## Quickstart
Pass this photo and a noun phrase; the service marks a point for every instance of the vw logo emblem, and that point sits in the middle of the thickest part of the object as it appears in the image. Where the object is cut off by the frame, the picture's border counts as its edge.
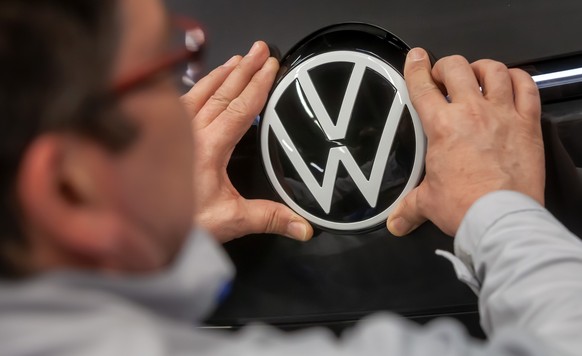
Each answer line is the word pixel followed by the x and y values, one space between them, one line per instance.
pixel 340 141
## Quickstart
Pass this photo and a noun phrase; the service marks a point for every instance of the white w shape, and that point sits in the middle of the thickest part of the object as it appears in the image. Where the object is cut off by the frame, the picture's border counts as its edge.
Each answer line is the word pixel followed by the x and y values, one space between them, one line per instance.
pixel 370 188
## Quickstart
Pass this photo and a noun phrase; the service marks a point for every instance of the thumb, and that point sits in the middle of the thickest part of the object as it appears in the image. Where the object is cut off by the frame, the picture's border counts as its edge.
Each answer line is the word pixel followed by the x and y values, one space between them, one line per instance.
pixel 265 216
pixel 407 215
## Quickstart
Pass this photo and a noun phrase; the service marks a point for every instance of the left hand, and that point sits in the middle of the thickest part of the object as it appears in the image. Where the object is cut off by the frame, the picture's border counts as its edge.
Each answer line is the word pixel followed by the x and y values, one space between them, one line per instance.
pixel 223 106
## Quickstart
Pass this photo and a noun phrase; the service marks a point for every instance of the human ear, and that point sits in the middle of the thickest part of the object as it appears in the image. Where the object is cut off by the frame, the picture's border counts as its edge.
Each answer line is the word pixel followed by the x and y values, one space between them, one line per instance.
pixel 67 194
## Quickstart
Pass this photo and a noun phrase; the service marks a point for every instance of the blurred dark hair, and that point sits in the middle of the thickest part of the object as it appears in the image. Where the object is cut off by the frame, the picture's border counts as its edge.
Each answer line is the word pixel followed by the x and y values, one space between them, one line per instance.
pixel 56 59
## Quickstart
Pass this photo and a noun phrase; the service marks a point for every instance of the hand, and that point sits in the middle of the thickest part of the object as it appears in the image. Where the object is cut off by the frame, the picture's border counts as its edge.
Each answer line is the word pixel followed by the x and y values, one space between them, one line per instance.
pixel 478 143
pixel 223 106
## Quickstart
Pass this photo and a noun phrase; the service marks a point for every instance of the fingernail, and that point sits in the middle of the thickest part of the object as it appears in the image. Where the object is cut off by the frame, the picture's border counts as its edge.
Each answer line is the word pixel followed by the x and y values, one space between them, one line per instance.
pixel 416 54
pixel 399 227
pixel 254 49
pixel 297 230
pixel 231 62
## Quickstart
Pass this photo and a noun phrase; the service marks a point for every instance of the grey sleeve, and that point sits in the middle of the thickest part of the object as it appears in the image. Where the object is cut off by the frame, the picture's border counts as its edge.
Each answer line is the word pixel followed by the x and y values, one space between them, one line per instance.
pixel 529 269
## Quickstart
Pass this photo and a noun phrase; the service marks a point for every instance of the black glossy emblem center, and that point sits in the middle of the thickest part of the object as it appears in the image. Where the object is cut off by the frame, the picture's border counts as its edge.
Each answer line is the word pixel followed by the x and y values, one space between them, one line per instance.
pixel 340 141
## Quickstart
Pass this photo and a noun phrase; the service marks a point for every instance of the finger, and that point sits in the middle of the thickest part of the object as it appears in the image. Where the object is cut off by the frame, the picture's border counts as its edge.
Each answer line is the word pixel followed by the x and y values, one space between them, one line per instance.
pixel 495 81
pixel 407 216
pixel 242 111
pixel 457 76
pixel 233 86
pixel 526 94
pixel 265 216
pixel 200 93
pixel 423 92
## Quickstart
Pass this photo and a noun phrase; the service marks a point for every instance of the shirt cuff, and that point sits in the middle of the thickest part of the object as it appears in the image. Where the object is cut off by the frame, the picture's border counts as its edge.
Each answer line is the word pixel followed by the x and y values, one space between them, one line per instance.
pixel 478 220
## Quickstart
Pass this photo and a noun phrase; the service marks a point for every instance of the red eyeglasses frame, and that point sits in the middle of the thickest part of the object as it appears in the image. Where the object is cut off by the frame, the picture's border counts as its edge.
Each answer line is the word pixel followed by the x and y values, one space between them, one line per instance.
pixel 192 52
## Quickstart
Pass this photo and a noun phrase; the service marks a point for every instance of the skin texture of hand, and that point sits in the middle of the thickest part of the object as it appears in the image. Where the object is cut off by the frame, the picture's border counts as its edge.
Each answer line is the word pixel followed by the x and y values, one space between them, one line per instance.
pixel 223 106
pixel 478 141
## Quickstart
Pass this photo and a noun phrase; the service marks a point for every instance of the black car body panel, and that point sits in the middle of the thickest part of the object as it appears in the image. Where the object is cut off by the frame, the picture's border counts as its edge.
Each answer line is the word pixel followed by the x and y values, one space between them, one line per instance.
pixel 336 279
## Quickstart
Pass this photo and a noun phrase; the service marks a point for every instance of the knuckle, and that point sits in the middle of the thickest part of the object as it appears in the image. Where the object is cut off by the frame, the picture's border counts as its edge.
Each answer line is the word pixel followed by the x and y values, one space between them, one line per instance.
pixel 525 81
pixel 480 62
pixel 454 60
pixel 447 65
pixel 421 90
pixel 495 67
pixel 529 88
pixel 220 100
pixel 442 127
pixel 521 73
pixel 238 107
pixel 404 205
pixel 473 113
pixel 487 63
pixel 414 67
pixel 272 218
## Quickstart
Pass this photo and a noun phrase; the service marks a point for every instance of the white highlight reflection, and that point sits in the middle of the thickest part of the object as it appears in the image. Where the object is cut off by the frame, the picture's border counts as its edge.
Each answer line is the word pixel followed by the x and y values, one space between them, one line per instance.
pixel 316 167
pixel 303 102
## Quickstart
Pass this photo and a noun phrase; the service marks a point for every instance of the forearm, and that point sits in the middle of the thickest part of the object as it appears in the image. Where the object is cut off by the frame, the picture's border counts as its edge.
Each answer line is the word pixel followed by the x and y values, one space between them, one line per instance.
pixel 530 267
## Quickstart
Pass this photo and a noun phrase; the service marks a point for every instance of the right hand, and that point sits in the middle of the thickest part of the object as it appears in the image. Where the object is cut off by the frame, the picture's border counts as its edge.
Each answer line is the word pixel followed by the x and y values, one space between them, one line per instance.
pixel 479 142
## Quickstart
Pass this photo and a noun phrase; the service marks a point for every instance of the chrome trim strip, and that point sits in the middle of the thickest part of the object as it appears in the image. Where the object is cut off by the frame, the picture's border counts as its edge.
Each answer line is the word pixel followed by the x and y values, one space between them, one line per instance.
pixel 555 79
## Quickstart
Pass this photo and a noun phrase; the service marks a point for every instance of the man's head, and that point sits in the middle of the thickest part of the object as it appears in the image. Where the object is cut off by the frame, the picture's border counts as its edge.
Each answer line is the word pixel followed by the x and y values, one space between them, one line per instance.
pixel 89 179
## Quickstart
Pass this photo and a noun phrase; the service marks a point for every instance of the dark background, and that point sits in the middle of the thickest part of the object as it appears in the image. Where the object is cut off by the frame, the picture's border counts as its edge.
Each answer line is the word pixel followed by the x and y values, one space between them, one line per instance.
pixel 506 30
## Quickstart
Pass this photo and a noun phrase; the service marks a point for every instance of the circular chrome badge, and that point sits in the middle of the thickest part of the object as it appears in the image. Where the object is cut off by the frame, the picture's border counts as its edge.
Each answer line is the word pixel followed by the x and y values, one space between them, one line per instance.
pixel 340 141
